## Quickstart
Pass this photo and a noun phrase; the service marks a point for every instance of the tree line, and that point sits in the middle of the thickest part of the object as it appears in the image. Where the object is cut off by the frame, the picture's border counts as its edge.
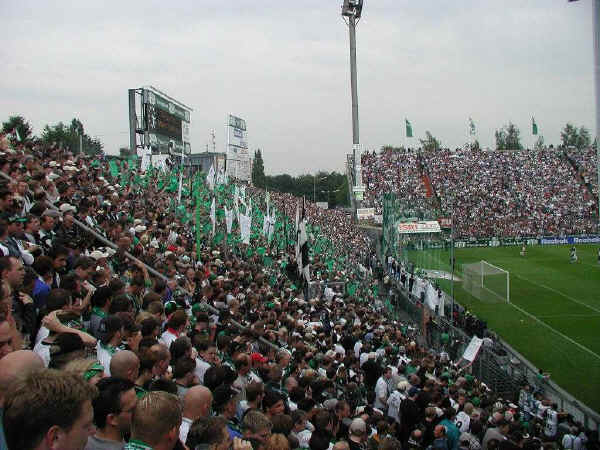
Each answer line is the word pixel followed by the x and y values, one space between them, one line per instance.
pixel 330 187
pixel 71 137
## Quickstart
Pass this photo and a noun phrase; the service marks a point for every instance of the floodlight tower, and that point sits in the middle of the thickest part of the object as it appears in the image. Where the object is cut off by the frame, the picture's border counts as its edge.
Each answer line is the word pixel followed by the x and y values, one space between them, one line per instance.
pixel 352 10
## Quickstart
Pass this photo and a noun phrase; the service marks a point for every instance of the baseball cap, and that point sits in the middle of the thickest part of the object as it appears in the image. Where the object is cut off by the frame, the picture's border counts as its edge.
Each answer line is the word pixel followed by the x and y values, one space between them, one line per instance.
pixel 94 370
pixel 257 357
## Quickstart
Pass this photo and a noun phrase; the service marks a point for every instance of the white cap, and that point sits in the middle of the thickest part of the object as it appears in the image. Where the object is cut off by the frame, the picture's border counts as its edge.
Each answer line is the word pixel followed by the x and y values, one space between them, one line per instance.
pixel 67 207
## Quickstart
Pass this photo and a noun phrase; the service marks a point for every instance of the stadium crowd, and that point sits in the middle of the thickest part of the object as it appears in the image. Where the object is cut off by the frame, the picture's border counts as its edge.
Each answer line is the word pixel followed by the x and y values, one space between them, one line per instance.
pixel 98 352
pixel 491 193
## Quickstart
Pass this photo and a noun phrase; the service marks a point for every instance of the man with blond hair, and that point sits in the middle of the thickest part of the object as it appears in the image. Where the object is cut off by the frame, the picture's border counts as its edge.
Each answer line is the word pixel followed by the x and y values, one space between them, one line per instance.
pixel 48 409
pixel 155 422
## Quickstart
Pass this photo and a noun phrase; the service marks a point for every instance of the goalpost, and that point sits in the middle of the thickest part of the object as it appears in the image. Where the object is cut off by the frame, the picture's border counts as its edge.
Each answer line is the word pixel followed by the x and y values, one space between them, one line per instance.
pixel 486 282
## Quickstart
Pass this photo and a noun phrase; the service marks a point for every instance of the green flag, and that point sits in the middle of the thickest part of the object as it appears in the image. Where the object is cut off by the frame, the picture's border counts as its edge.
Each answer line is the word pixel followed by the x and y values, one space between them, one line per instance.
pixel 114 168
pixel 534 129
pixel 409 133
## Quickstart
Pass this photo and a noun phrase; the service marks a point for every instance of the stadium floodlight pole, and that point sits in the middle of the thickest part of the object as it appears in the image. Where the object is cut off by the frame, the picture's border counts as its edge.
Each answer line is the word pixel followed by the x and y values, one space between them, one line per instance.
pixel 595 14
pixel 452 264
pixel 352 9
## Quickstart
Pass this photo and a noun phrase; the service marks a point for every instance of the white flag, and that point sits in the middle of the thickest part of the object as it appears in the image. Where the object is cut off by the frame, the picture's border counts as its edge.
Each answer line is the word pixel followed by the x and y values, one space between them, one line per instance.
pixel 213 217
pixel 228 219
pixel 210 178
pixel 245 225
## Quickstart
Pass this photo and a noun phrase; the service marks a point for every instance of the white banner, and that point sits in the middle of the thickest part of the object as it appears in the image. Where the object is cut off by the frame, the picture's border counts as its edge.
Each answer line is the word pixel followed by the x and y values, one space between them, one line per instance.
pixel 428 226
pixel 245 225
pixel 365 213
pixel 228 219
pixel 239 162
pixel 472 349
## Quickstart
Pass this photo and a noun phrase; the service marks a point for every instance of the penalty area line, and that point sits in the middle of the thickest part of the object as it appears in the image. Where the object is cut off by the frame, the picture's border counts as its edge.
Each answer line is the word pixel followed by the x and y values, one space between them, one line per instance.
pixel 562 294
pixel 567 338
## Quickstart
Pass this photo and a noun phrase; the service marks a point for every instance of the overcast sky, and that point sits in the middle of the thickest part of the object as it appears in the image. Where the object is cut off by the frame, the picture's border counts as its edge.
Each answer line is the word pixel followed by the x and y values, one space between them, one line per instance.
pixel 284 67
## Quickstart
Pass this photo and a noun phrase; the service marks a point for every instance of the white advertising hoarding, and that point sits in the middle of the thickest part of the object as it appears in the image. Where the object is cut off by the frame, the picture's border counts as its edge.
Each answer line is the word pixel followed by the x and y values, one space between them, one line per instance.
pixel 239 164
pixel 428 226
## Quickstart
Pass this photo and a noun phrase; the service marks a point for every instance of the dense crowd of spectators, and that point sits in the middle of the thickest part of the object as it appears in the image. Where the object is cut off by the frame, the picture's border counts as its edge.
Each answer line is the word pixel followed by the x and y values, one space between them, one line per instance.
pixel 225 351
pixel 492 193
pixel 398 172
pixel 586 164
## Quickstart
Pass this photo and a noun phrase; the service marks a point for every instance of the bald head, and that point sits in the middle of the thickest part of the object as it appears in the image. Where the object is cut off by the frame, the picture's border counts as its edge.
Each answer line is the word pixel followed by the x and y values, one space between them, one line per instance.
pixel 197 402
pixel 341 445
pixel 16 364
pixel 125 365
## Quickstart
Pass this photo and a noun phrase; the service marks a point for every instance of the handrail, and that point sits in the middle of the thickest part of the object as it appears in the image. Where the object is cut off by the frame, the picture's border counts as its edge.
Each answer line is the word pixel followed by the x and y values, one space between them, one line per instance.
pixel 150 269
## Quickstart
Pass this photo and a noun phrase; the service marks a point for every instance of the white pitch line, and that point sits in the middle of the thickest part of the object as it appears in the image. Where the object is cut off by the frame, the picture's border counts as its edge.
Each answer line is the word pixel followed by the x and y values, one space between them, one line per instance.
pixel 558 316
pixel 541 322
pixel 574 300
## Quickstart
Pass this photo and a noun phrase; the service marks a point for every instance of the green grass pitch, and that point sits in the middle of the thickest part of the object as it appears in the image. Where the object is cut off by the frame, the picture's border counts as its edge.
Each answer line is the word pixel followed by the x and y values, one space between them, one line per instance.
pixel 564 296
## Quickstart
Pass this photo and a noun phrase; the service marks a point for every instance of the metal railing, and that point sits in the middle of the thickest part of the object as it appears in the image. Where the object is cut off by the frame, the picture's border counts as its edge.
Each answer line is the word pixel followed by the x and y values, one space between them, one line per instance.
pixel 499 366
pixel 129 256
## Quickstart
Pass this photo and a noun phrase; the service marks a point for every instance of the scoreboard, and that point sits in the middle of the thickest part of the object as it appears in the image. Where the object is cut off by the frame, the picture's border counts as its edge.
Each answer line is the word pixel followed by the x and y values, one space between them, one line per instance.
pixel 165 122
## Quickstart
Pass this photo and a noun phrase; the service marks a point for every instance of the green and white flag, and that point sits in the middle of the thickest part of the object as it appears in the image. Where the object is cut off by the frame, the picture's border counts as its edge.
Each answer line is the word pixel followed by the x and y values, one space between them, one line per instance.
pixel 471 127
pixel 409 132
pixel 213 216
pixel 534 128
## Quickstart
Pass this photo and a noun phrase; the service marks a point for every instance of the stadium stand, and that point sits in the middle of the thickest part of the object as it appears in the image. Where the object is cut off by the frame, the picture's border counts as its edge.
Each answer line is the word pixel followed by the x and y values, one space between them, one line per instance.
pixel 104 274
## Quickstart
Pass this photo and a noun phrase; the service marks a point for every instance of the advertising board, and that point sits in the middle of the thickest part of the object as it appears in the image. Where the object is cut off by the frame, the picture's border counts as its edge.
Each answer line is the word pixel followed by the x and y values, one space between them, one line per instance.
pixel 239 164
pixel 426 226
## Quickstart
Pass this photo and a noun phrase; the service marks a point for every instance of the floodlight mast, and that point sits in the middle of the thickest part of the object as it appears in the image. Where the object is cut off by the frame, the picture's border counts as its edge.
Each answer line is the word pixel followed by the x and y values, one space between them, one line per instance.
pixel 352 9
pixel 596 27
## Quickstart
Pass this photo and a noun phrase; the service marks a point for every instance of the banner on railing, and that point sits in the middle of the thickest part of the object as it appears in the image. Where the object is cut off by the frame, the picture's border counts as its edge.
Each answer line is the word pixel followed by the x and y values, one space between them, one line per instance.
pixel 472 349
pixel 365 213
pixel 426 226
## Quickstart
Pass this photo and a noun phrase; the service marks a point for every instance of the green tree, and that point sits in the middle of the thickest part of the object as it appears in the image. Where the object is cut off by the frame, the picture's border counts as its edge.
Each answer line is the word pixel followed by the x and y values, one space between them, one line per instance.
pixel 258 170
pixel 474 146
pixel 67 137
pixel 573 137
pixel 429 143
pixel 19 124
pixel 508 138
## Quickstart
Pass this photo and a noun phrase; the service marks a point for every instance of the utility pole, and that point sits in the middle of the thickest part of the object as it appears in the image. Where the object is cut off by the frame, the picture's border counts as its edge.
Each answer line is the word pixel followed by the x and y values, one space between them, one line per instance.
pixel 352 9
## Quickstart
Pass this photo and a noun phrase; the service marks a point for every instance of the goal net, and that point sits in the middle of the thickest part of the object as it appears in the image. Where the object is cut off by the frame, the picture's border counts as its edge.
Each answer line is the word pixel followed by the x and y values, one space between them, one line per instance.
pixel 486 282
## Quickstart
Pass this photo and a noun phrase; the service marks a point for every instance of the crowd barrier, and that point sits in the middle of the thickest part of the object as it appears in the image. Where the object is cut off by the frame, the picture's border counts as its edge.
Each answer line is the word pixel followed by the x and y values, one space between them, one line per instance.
pixel 499 366
pixel 150 269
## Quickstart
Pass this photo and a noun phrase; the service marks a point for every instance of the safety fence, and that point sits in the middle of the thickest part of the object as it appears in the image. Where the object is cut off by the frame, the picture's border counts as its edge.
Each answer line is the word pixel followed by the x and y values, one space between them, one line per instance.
pixel 498 365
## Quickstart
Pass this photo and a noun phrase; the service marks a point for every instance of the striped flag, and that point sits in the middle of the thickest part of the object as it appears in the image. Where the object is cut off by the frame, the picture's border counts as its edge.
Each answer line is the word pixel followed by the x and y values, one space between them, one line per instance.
pixel 213 215
pixel 302 248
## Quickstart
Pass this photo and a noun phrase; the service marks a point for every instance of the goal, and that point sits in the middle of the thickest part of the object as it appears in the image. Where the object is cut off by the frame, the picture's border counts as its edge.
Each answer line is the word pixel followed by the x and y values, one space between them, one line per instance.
pixel 486 282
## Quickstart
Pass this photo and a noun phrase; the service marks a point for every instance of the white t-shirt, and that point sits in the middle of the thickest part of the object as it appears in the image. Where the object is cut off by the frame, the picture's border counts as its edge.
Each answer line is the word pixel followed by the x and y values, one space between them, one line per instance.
pixel 381 393
pixel 201 368
pixel 551 423
pixel 167 338
pixel 104 354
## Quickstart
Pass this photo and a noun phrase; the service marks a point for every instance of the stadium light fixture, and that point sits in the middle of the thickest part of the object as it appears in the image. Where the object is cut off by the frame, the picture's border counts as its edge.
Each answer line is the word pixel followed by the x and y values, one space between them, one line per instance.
pixel 352 10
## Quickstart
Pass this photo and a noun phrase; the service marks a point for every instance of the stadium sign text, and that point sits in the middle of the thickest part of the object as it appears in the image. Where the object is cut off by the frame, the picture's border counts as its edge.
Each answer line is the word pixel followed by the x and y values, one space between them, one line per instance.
pixel 428 226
